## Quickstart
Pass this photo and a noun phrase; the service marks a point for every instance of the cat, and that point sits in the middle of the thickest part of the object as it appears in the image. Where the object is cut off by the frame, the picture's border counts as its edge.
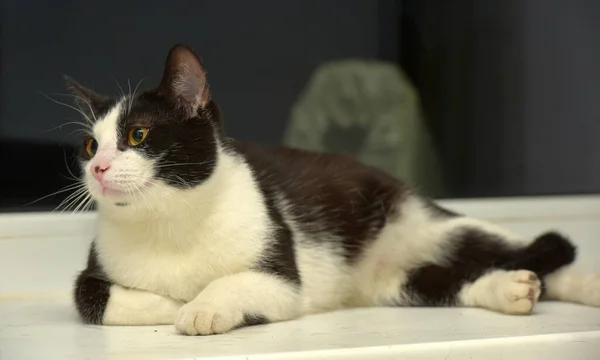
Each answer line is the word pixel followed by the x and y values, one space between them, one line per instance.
pixel 211 234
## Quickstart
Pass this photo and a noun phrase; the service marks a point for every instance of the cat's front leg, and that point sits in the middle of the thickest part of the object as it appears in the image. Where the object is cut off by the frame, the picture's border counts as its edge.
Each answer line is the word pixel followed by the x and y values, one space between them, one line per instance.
pixel 101 302
pixel 244 299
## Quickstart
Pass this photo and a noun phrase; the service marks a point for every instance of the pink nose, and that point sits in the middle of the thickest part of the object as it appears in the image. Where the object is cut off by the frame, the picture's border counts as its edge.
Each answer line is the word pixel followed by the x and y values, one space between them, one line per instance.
pixel 99 170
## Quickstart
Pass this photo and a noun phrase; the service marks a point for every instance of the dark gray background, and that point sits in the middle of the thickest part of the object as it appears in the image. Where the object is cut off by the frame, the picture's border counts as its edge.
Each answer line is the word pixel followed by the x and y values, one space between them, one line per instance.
pixel 510 87
pixel 515 111
pixel 546 64
pixel 259 54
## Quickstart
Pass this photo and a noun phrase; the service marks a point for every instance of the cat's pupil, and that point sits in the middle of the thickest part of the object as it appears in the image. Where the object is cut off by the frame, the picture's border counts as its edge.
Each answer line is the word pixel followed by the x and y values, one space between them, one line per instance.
pixel 94 146
pixel 138 135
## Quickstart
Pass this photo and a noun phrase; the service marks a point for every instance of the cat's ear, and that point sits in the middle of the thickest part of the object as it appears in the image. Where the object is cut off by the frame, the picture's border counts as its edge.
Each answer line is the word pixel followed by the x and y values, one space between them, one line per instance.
pixel 87 100
pixel 184 81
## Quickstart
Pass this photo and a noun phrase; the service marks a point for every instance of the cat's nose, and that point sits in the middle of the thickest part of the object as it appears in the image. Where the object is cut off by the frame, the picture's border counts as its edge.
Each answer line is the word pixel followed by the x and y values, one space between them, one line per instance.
pixel 99 170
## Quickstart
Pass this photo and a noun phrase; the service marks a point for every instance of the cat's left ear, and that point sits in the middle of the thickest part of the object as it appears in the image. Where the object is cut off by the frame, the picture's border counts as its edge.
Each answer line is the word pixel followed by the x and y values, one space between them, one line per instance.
pixel 184 81
pixel 87 100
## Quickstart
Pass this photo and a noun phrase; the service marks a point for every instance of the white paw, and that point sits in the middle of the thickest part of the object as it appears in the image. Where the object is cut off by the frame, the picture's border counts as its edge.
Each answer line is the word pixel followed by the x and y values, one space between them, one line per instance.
pixel 517 292
pixel 200 318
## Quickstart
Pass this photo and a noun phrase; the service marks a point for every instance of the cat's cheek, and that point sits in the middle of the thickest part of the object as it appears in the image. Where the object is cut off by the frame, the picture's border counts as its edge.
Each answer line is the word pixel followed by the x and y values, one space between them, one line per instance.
pixel 94 189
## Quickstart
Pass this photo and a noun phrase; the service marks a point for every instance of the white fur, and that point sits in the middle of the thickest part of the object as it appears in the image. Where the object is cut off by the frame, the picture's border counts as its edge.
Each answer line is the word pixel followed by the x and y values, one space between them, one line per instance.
pixel 509 292
pixel 169 246
pixel 573 285
pixel 138 307
pixel 222 305
pixel 197 246
pixel 128 170
pixel 412 239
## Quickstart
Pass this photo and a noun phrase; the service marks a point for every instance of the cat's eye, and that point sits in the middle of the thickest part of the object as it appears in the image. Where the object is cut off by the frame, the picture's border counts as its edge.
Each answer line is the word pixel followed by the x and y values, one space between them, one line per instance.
pixel 137 135
pixel 91 146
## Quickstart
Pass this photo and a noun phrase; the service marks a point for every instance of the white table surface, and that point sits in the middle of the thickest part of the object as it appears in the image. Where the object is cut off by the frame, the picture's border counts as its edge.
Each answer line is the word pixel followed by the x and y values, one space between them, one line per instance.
pixel 46 329
pixel 37 320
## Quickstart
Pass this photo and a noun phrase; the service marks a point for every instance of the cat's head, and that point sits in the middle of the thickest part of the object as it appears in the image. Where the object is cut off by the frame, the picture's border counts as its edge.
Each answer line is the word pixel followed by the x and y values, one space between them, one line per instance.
pixel 144 147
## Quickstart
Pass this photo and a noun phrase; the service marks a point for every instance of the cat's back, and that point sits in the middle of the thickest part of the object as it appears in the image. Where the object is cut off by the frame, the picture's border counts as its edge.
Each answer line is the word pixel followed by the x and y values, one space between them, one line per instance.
pixel 328 192
pixel 296 170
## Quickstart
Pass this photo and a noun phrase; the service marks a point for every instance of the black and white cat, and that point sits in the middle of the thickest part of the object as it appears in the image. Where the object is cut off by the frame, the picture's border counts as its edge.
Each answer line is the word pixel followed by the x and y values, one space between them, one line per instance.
pixel 211 234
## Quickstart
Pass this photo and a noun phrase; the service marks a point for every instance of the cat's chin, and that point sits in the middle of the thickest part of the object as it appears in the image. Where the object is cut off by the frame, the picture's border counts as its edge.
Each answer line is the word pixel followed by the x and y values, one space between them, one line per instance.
pixel 109 195
pixel 113 193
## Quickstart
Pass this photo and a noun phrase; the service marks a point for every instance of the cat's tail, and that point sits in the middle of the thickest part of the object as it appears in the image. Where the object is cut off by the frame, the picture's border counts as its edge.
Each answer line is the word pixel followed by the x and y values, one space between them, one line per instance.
pixel 551 256
pixel 546 254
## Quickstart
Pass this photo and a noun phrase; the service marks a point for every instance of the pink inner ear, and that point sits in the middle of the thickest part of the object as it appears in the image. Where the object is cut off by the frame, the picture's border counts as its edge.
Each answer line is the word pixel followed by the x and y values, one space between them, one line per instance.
pixel 191 89
pixel 191 86
pixel 185 79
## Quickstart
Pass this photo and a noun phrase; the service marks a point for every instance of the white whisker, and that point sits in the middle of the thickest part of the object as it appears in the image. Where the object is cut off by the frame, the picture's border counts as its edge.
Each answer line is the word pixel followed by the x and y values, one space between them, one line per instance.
pixel 69 198
pixel 76 200
pixel 185 164
pixel 119 85
pixel 69 106
pixel 86 126
pixel 67 166
pixel 133 96
pixel 82 202
pixel 65 189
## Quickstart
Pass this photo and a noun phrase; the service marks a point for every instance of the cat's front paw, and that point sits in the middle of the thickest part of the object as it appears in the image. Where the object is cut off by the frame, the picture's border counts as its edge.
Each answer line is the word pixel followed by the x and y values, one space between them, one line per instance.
pixel 201 318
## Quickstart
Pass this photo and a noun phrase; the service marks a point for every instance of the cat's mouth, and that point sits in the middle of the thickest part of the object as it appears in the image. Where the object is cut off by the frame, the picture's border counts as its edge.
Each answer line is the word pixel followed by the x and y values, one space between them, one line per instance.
pixel 107 191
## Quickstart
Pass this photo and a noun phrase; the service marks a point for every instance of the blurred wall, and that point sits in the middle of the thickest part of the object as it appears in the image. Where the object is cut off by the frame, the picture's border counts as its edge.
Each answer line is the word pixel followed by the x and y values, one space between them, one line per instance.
pixel 540 59
pixel 510 85
pixel 562 96
pixel 259 54
pixel 510 88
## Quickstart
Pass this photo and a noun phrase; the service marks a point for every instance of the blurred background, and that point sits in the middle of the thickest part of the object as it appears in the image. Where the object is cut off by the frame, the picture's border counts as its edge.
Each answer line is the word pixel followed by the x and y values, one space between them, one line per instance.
pixel 463 98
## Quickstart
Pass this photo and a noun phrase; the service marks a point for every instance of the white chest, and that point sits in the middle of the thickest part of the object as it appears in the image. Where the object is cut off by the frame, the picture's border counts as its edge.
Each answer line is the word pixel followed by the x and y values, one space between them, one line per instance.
pixel 178 264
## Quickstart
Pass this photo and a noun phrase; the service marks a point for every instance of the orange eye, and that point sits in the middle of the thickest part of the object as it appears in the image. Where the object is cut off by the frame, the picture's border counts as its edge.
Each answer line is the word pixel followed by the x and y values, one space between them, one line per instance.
pixel 137 135
pixel 91 146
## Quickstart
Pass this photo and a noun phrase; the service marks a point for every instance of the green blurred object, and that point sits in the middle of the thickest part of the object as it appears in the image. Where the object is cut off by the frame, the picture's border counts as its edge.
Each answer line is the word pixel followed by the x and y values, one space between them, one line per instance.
pixel 368 110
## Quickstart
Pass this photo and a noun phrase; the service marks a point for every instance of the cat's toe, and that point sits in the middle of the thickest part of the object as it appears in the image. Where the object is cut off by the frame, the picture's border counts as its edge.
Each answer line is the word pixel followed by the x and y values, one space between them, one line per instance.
pixel 197 318
pixel 520 290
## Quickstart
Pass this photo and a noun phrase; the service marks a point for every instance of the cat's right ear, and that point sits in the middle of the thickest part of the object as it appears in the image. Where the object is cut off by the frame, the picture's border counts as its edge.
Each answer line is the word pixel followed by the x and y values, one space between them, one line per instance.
pixel 184 81
pixel 87 100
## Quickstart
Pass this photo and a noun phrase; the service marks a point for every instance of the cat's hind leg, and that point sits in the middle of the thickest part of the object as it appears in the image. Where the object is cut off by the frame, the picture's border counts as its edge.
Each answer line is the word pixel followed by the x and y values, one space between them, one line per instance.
pixel 485 269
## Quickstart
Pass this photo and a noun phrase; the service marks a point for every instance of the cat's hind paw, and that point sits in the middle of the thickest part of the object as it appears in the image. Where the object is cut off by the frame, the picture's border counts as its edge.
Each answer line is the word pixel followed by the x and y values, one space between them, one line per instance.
pixel 518 291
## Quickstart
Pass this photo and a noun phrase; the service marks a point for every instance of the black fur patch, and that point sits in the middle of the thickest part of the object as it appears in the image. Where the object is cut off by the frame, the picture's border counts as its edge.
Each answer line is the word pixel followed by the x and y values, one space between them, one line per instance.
pixel 92 291
pixel 186 149
pixel 280 259
pixel 253 320
pixel 328 194
pixel 475 253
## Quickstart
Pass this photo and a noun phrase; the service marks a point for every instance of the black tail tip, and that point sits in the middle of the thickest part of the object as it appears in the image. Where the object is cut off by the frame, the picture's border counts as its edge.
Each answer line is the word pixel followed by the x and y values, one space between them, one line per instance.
pixel 549 252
